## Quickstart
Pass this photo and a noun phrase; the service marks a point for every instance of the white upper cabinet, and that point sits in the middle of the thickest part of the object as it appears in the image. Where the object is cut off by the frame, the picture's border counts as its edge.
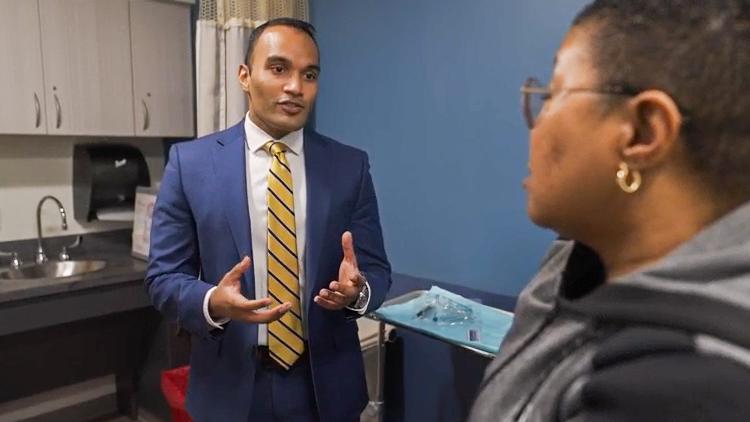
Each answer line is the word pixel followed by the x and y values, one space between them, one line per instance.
pixel 87 74
pixel 96 68
pixel 21 81
pixel 162 69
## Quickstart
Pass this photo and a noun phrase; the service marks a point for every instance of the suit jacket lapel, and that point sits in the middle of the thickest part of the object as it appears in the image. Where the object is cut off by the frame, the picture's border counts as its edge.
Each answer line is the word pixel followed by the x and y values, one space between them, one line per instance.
pixel 318 204
pixel 231 173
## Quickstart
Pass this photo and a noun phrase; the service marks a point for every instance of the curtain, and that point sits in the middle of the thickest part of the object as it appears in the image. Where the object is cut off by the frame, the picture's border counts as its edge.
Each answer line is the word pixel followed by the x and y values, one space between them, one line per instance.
pixel 222 32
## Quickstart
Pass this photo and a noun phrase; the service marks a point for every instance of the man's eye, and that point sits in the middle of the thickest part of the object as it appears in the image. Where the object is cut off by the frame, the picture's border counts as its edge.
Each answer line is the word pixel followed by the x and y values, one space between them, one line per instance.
pixel 277 69
pixel 311 76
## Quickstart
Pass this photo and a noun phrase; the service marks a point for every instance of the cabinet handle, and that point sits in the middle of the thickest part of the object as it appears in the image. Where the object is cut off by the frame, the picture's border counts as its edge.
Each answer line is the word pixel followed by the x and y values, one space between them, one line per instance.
pixel 145 115
pixel 38 108
pixel 59 112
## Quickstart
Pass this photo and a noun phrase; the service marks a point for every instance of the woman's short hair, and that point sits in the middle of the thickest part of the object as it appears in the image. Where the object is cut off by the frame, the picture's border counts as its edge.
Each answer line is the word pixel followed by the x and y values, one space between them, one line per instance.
pixel 697 51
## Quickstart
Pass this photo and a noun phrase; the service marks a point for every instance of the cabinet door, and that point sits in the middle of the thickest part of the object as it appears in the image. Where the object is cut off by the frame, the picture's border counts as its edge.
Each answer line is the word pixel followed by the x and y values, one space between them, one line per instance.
pixel 87 73
pixel 21 80
pixel 162 69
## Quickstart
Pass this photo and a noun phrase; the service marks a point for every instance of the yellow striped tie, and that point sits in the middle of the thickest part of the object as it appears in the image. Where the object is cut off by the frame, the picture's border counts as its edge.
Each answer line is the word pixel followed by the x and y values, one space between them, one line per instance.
pixel 285 339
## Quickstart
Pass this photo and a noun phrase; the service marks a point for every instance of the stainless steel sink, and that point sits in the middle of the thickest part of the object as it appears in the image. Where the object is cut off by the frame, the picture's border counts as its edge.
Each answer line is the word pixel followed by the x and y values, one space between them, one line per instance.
pixel 52 269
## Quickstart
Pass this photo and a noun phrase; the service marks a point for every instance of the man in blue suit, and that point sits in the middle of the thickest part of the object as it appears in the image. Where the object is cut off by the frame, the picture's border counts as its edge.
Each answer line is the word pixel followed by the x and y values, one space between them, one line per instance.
pixel 266 246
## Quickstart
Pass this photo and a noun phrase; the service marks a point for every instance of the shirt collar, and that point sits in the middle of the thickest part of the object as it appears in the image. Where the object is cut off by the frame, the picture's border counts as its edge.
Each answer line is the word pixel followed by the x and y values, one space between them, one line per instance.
pixel 256 137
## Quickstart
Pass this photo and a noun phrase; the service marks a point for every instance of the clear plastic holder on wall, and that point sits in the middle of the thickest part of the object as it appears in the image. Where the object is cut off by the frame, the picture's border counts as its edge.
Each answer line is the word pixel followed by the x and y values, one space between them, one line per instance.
pixel 145 198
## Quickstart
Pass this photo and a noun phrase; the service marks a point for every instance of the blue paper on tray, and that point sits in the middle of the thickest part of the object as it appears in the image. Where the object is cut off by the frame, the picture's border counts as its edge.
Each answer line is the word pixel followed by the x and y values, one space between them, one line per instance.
pixel 452 318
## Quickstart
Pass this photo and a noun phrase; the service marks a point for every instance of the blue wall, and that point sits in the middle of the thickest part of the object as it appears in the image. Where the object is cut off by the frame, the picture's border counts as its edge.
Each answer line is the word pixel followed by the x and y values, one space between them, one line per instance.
pixel 430 88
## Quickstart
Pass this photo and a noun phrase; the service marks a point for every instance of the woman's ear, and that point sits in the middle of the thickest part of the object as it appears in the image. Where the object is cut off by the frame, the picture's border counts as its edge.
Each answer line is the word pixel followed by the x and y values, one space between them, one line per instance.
pixel 655 122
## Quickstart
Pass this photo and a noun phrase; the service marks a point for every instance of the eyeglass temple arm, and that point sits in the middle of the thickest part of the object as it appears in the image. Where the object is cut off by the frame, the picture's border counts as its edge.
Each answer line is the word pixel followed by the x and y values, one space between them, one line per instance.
pixel 534 90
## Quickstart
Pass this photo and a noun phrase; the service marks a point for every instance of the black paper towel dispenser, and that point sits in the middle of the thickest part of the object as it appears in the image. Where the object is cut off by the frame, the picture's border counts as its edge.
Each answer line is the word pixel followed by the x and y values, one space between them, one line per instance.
pixel 105 177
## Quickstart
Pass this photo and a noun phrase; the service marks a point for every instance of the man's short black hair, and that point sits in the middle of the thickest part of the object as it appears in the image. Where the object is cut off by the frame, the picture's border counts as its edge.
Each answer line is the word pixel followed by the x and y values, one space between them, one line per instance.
pixel 697 51
pixel 303 26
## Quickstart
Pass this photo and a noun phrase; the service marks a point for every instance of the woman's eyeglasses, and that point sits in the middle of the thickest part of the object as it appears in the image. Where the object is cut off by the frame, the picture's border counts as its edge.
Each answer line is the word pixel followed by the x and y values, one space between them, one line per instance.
pixel 534 95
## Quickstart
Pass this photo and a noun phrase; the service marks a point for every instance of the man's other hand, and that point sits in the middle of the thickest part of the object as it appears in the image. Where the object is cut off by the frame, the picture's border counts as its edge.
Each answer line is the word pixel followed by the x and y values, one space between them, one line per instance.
pixel 344 291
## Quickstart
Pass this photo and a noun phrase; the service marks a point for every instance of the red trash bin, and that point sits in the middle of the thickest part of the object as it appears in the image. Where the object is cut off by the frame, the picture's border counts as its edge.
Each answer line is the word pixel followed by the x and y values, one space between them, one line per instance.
pixel 174 386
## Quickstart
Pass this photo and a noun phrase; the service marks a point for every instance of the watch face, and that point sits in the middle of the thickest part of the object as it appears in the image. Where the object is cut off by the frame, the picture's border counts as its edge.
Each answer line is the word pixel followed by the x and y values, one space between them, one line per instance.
pixel 363 295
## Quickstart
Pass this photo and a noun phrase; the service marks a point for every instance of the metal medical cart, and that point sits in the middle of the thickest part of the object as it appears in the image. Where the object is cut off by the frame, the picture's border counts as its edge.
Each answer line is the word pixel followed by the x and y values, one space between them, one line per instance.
pixel 376 407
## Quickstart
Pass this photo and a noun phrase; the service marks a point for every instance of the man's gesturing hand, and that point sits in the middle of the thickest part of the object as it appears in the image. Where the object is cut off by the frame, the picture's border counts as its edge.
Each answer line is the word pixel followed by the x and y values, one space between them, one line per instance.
pixel 342 292
pixel 228 302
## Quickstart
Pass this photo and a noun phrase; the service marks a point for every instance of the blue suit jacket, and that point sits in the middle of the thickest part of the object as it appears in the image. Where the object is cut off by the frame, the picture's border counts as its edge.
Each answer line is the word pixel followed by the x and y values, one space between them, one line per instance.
pixel 201 228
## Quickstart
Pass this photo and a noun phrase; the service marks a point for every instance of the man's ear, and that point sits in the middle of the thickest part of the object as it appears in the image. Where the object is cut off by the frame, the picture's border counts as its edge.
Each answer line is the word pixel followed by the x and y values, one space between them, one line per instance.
pixel 243 75
pixel 654 121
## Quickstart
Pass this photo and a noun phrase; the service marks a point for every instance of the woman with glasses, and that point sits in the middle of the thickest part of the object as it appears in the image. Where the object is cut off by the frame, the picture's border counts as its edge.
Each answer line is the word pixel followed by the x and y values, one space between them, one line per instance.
pixel 640 155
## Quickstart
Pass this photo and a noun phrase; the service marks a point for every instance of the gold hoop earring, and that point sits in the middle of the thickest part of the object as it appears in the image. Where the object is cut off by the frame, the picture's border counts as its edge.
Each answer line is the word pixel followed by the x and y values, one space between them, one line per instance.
pixel 622 178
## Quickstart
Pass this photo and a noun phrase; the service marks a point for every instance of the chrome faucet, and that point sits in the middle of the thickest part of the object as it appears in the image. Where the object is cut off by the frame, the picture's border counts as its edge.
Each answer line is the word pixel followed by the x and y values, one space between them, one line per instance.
pixel 40 256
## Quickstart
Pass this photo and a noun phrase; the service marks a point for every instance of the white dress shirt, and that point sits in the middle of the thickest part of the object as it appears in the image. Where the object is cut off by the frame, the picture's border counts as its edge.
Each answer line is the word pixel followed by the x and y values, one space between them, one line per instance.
pixel 258 164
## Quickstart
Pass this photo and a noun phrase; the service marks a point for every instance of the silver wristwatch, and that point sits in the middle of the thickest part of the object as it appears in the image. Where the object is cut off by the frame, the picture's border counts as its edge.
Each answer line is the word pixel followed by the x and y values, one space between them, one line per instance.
pixel 364 295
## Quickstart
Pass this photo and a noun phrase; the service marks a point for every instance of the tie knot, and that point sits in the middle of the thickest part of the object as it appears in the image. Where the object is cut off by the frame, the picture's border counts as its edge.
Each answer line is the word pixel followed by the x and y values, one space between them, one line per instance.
pixel 275 147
